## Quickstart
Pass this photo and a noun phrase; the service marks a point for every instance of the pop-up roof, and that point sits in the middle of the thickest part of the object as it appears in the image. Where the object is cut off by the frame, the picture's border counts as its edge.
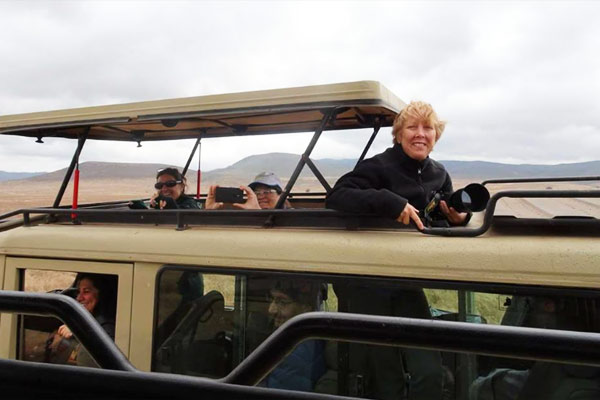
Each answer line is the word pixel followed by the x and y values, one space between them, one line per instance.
pixel 298 109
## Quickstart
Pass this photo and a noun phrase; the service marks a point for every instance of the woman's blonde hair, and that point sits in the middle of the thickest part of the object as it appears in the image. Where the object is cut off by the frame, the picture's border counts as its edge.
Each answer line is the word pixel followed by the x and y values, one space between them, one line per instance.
pixel 421 111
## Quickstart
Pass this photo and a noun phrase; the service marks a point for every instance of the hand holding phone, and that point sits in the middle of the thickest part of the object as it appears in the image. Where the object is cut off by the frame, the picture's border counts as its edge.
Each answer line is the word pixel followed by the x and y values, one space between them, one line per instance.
pixel 229 195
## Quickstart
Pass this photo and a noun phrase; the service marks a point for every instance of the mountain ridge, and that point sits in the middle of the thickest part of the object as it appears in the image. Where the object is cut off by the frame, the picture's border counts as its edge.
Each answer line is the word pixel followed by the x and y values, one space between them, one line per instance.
pixel 283 164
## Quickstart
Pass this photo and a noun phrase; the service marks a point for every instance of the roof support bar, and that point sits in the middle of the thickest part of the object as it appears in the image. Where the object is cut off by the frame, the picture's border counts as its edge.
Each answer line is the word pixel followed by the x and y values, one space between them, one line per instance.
pixel 318 174
pixel 80 142
pixel 329 114
pixel 376 128
pixel 189 161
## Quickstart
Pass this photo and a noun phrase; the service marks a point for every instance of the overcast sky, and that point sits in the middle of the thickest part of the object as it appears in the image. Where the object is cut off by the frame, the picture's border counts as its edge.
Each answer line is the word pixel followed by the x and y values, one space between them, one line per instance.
pixel 518 82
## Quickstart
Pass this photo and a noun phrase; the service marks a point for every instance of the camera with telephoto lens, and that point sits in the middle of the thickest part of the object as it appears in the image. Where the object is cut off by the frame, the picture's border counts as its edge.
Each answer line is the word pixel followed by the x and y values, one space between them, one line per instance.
pixel 472 198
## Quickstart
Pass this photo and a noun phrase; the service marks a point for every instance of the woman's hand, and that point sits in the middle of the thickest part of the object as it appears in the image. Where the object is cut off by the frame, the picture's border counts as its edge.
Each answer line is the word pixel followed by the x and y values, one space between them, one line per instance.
pixel 410 213
pixel 65 332
pixel 211 203
pixel 251 200
pixel 161 204
pixel 453 216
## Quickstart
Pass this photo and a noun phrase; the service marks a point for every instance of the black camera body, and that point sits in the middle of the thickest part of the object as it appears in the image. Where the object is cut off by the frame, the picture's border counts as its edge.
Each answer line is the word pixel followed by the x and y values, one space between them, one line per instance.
pixel 170 203
pixel 472 198
pixel 229 195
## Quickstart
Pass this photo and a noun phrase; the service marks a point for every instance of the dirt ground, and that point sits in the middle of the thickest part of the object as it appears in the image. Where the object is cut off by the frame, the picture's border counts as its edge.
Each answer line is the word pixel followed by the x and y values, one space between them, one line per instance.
pixel 26 194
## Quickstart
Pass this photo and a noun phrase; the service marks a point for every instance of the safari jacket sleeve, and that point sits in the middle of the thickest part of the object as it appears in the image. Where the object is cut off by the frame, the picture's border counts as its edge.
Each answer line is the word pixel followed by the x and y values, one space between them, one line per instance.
pixel 362 191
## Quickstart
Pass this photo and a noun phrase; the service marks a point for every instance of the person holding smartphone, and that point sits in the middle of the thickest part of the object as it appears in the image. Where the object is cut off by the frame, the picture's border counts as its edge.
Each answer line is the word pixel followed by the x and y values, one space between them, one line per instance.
pixel 170 185
pixel 262 193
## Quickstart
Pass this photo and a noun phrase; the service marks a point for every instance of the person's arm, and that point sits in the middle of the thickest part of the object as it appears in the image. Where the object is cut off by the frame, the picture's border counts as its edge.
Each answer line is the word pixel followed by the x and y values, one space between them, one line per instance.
pixel 454 217
pixel 251 202
pixel 211 203
pixel 361 191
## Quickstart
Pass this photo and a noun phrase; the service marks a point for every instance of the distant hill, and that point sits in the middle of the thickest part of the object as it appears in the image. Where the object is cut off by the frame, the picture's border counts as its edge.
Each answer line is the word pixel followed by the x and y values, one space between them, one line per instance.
pixel 9 176
pixel 103 170
pixel 283 164
pixel 479 170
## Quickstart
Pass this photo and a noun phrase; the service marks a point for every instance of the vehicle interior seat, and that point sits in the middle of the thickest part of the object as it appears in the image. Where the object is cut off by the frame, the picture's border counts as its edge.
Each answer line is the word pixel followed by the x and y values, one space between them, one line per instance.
pixel 553 381
pixel 383 372
pixel 199 344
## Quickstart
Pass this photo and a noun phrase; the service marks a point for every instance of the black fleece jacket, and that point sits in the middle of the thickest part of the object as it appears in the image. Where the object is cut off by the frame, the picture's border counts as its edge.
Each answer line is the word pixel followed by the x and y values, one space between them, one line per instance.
pixel 383 184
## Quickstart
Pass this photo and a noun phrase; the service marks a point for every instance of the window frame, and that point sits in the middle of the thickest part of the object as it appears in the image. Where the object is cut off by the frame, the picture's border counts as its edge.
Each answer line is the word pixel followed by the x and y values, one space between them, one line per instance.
pixel 14 273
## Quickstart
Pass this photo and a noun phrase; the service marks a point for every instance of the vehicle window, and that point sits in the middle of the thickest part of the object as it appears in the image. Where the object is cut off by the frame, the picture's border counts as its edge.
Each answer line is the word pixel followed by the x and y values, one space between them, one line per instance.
pixel 207 329
pixel 47 339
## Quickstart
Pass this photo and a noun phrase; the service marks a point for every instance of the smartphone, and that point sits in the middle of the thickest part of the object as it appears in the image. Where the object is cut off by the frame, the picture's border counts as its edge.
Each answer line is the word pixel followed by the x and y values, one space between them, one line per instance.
pixel 229 195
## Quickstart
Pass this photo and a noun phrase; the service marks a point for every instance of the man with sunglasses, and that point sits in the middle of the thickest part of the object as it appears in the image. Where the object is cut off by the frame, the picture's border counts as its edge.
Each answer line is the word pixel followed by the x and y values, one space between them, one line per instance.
pixel 262 193
pixel 170 185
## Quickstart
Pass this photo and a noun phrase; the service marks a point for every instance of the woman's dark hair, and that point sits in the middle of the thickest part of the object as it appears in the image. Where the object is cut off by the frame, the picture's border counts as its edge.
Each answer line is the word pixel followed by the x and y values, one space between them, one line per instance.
pixel 107 293
pixel 174 172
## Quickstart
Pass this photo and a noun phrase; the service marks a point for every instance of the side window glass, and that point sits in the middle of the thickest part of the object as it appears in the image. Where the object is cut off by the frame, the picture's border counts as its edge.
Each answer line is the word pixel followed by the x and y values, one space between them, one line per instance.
pixel 208 323
pixel 47 339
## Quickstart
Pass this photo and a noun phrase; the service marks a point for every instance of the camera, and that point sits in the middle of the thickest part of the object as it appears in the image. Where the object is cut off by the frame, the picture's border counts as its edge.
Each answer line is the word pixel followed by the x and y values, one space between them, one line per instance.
pixel 471 198
pixel 229 195
pixel 170 203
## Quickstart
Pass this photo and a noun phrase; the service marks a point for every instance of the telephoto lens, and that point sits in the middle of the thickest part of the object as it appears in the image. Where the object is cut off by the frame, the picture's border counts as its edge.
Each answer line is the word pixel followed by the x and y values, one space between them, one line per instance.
pixel 472 198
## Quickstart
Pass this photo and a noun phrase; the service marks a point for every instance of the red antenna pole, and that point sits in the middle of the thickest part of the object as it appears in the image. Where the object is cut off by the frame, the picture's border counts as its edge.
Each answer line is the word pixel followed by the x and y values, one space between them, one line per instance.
pixel 199 172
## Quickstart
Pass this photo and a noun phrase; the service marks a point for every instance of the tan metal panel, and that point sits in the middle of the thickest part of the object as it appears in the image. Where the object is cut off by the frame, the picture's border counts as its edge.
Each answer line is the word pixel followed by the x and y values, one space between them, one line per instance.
pixel 142 322
pixel 555 261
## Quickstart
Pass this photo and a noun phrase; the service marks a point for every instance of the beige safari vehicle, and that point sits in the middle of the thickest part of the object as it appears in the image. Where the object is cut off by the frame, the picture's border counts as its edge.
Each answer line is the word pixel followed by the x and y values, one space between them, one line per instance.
pixel 505 308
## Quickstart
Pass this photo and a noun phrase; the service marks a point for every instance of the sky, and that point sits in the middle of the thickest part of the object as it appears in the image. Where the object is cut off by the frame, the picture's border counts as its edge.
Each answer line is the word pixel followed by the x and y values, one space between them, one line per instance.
pixel 517 82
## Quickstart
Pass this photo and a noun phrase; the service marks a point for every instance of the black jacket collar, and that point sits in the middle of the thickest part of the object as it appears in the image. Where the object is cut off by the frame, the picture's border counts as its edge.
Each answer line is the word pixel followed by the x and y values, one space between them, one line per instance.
pixel 406 160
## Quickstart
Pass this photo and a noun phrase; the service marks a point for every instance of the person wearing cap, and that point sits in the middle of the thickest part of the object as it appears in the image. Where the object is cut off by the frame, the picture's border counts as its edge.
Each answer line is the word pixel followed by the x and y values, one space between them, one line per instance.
pixel 302 368
pixel 170 185
pixel 262 193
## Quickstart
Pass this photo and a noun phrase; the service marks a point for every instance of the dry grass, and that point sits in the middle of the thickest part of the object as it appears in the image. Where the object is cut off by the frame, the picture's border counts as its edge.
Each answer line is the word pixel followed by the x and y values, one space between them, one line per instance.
pixel 44 281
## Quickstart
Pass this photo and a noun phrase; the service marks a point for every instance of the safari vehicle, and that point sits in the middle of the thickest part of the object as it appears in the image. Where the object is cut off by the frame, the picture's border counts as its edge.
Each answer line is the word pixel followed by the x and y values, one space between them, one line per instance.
pixel 506 304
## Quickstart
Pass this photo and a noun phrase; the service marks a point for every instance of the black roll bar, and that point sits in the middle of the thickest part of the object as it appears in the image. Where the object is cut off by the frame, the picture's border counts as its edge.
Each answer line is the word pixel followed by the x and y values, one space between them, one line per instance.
pixel 503 341
pixel 493 340
pixel 327 116
pixel 87 330
pixel 548 179
pixel 370 142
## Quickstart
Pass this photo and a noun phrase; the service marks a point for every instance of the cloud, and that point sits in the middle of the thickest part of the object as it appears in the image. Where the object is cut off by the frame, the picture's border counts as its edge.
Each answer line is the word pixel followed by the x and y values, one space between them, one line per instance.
pixel 516 81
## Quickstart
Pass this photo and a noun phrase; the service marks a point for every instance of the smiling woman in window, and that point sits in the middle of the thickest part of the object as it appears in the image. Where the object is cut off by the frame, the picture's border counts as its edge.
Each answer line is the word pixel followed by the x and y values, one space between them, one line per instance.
pixel 403 179
pixel 97 293
pixel 170 185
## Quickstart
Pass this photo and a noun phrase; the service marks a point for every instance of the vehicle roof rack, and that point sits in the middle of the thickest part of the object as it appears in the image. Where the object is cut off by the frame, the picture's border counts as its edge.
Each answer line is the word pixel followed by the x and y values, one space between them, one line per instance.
pixel 322 218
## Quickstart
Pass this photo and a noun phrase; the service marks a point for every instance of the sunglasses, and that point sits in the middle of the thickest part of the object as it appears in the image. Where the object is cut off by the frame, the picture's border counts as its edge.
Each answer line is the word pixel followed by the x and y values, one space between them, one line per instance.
pixel 159 185
pixel 264 192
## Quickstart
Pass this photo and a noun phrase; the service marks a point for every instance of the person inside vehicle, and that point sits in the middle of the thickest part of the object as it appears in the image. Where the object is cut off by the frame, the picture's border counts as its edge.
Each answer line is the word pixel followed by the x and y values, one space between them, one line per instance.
pixel 97 293
pixel 262 193
pixel 170 185
pixel 403 179
pixel 301 369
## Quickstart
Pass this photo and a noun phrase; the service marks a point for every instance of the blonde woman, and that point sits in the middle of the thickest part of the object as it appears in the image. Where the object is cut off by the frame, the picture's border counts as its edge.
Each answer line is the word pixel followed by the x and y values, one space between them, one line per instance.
pixel 402 180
